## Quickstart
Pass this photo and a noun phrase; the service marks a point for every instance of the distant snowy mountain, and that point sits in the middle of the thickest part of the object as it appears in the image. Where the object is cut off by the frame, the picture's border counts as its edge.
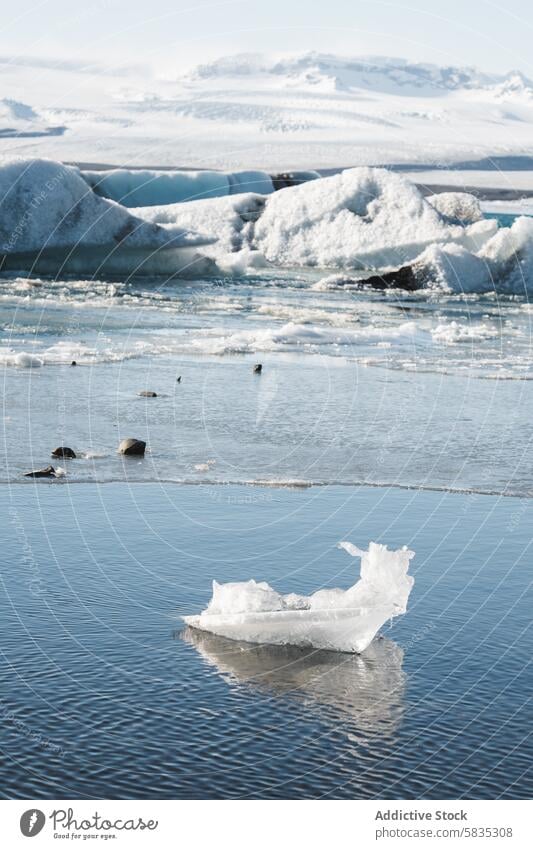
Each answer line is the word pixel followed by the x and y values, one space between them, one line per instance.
pixel 311 110
pixel 375 73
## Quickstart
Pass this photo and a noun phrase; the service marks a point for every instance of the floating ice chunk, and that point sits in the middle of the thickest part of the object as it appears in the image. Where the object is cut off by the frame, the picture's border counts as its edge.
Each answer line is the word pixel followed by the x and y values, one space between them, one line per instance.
pixel 22 360
pixel 502 263
pixel 340 620
pixel 509 254
pixel 158 188
pixel 455 269
pixel 452 333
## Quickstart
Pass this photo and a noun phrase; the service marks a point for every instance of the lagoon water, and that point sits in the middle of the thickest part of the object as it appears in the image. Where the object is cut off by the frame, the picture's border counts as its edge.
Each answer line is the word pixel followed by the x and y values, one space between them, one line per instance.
pixel 105 694
pixel 423 389
pixel 425 397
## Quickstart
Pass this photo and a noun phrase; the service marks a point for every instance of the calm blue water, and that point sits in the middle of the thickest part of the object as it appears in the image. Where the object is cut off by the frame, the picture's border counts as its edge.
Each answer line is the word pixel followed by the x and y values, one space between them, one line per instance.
pixel 104 695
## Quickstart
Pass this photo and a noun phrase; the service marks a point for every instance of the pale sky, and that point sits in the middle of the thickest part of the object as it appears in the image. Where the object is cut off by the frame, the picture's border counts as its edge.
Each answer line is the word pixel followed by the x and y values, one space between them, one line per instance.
pixel 175 34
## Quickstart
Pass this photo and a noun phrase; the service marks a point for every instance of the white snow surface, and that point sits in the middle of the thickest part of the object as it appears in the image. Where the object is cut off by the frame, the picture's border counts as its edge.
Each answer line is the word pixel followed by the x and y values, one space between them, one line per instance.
pixel 312 110
pixel 335 619
pixel 364 216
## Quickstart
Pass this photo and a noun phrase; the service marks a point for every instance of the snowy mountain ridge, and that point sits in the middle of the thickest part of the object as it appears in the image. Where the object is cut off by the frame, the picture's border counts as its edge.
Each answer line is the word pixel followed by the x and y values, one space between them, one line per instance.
pixel 377 73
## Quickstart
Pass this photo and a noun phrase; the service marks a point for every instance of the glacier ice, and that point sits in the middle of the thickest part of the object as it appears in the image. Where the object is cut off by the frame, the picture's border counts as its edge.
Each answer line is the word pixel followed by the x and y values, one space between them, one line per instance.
pixel 503 263
pixel 229 221
pixel 138 187
pixel 333 619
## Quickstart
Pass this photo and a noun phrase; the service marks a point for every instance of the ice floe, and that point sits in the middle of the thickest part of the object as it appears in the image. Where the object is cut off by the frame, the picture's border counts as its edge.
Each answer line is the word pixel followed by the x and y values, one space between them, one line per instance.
pixel 334 619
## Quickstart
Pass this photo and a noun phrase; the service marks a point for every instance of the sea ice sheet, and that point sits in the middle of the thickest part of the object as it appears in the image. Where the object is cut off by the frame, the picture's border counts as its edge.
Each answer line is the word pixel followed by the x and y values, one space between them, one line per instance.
pixel 334 619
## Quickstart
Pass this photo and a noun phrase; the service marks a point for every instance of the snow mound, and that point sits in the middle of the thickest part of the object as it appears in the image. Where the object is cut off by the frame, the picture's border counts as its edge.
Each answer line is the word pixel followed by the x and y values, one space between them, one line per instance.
pixel 366 217
pixel 157 188
pixel 335 619
pixel 457 207
pixel 48 215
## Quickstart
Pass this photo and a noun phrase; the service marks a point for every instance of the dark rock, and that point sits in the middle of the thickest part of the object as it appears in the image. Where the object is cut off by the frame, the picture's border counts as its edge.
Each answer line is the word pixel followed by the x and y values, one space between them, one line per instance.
pixel 292 178
pixel 258 368
pixel 401 278
pixel 132 447
pixel 147 393
pixel 178 379
pixel 63 451
pixel 48 472
pixel 74 363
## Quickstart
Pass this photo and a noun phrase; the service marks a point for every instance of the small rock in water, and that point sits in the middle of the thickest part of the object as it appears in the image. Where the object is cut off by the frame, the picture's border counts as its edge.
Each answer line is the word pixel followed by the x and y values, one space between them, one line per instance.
pixel 63 451
pixel 74 363
pixel 132 447
pixel 48 472
pixel 147 393
pixel 258 368
pixel 178 379
pixel 401 278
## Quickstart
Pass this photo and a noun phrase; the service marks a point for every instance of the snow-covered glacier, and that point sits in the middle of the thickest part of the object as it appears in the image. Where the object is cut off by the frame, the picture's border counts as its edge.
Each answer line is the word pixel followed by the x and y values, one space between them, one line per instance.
pixel 333 619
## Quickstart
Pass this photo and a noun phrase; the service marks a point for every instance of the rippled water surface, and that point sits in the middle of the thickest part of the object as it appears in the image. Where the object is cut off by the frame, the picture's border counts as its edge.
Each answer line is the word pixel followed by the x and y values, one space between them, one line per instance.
pixel 357 387
pixel 104 694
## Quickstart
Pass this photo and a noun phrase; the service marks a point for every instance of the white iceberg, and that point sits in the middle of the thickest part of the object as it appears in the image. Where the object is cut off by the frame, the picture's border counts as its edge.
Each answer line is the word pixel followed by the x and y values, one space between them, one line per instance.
pixel 333 619
pixel 51 221
pixel 359 219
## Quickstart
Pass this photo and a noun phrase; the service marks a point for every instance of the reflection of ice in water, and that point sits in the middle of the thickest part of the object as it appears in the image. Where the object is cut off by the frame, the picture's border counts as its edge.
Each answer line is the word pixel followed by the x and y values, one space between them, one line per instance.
pixel 367 688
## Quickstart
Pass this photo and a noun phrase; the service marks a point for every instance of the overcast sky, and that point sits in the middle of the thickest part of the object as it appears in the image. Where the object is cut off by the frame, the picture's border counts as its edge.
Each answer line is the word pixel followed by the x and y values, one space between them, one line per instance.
pixel 175 34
